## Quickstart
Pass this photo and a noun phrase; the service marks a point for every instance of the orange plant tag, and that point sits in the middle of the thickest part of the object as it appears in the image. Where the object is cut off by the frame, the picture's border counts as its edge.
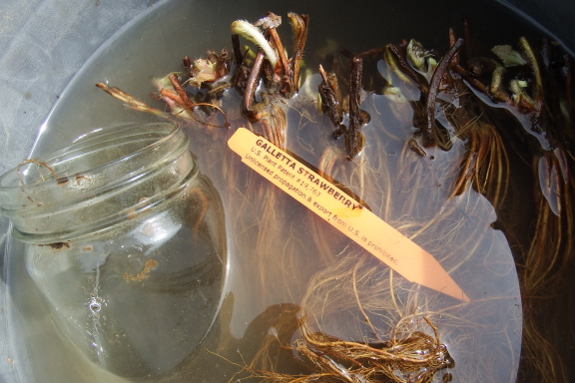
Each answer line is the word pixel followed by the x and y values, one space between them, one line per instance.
pixel 342 212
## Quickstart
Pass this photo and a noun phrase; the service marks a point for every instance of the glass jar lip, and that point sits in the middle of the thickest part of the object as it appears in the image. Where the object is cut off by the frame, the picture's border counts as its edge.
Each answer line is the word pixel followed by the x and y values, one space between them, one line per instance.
pixel 106 176
pixel 87 141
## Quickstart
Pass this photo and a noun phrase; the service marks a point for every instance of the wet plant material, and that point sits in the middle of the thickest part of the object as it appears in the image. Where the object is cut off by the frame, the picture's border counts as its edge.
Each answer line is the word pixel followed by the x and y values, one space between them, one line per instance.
pixel 388 330
pixel 431 144
pixel 405 355
pixel 460 99
pixel 540 101
pixel 336 360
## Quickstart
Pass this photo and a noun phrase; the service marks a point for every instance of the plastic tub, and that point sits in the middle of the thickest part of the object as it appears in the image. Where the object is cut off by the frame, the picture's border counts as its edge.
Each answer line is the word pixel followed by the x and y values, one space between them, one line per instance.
pixel 43 45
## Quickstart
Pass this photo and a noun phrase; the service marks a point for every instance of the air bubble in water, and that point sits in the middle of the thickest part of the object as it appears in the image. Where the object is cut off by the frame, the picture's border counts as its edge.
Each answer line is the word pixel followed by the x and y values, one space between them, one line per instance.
pixel 95 305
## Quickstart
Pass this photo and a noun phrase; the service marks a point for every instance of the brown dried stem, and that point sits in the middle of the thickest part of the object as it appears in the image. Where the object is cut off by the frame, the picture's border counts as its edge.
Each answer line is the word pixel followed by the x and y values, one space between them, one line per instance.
pixel 430 137
pixel 133 103
pixel 249 112
pixel 300 26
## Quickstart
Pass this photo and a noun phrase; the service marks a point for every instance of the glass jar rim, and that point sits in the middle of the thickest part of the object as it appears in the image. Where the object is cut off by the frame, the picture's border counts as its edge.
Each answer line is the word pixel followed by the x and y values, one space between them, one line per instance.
pixel 104 173
pixel 84 142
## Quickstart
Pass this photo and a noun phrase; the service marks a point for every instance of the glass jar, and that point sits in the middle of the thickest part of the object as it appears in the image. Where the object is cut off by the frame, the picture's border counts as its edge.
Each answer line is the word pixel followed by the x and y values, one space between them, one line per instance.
pixel 126 241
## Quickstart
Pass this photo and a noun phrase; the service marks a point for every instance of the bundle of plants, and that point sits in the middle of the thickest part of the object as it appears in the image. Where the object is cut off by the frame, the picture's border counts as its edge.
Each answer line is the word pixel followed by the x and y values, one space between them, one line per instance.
pixel 435 145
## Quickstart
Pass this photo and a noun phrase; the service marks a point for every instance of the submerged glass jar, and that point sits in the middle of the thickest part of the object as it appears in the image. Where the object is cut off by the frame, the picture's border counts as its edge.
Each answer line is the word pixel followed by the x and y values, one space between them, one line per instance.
pixel 126 241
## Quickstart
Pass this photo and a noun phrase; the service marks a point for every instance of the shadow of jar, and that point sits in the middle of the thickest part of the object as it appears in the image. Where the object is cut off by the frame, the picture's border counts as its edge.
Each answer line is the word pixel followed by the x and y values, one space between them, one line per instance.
pixel 125 239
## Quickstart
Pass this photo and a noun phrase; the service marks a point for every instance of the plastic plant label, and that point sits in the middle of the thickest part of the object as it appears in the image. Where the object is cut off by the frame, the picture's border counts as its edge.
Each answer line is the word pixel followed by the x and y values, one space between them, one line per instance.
pixel 343 212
